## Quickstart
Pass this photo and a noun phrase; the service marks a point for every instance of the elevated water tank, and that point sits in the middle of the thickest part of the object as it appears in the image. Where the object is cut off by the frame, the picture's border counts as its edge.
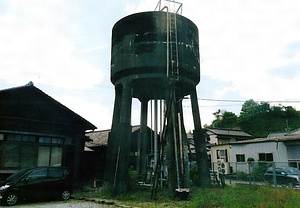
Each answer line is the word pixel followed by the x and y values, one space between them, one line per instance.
pixel 139 53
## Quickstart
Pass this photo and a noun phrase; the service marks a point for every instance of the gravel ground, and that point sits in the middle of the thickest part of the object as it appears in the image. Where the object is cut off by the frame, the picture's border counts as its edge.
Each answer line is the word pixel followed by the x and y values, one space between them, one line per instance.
pixel 62 204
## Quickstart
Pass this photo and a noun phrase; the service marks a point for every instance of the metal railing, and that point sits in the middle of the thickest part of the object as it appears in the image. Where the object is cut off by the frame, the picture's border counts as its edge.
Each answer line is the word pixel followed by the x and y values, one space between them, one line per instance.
pixel 171 4
pixel 258 173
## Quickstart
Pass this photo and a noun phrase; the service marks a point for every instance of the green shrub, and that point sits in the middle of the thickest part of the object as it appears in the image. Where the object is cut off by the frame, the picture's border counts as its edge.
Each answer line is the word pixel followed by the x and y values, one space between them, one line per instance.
pixel 240 175
pixel 194 175
pixel 133 180
pixel 259 171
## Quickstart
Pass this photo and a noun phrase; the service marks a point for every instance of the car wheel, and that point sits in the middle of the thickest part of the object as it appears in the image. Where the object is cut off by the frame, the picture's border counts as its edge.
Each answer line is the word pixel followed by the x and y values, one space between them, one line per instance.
pixel 11 199
pixel 65 195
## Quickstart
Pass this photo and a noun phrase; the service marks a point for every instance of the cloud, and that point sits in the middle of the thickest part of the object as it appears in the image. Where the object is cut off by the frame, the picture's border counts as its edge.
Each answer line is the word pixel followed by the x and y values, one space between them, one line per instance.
pixel 95 112
pixel 291 50
pixel 139 6
pixel 98 48
pixel 242 41
pixel 36 47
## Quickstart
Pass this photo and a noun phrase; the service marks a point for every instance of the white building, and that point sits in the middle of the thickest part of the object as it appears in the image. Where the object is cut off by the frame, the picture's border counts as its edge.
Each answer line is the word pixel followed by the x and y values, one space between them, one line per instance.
pixel 283 149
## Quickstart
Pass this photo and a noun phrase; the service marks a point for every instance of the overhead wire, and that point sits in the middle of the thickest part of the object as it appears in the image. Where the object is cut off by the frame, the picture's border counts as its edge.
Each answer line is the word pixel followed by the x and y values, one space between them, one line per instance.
pixel 238 101
pixel 242 101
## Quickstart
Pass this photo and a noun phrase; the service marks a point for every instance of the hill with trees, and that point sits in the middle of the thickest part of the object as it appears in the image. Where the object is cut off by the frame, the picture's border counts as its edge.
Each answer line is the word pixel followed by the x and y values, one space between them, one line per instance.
pixel 259 119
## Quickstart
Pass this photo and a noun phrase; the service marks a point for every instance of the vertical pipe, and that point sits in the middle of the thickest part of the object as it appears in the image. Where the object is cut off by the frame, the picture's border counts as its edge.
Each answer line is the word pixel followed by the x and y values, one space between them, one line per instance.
pixel 155 134
pixel 161 117
pixel 180 145
pixel 168 45
pixel 160 137
pixel 200 144
pixel 151 141
pixel 175 139
pixel 151 125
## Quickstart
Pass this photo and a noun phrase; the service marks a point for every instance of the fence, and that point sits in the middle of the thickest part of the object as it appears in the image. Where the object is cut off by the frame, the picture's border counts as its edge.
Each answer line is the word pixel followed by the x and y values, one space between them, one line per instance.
pixel 260 173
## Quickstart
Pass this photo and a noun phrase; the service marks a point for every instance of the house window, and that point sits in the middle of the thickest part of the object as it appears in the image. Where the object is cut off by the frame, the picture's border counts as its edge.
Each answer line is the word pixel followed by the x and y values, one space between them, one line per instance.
pixel 45 140
pixel 222 154
pixel 12 156
pixel 21 138
pixel 20 156
pixel 28 156
pixel 25 151
pixel 265 156
pixel 294 164
pixel 56 156
pixel 240 157
pixel 50 140
pixel 49 156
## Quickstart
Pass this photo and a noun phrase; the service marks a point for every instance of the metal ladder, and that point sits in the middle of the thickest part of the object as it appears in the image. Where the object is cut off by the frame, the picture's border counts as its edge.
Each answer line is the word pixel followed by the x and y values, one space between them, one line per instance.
pixel 174 72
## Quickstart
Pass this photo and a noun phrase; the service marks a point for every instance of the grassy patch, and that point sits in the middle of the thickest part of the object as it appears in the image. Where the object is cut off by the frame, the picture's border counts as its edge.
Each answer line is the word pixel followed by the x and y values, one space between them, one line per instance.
pixel 231 196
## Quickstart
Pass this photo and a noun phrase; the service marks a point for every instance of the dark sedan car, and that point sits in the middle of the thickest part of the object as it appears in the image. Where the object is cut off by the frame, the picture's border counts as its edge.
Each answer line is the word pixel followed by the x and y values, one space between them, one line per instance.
pixel 40 182
pixel 284 176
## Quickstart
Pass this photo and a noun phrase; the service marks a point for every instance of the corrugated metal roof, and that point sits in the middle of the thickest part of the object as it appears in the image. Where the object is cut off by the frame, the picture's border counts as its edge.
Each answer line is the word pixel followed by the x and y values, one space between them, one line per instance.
pixel 227 132
pixel 100 138
pixel 295 132
pixel 278 134
pixel 270 139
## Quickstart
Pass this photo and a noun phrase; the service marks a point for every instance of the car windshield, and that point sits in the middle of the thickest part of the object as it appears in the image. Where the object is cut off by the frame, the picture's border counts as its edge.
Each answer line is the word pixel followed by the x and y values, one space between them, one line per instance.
pixel 16 175
pixel 292 171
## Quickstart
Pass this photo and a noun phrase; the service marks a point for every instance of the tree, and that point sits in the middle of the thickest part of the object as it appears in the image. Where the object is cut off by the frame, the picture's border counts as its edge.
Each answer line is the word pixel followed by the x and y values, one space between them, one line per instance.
pixel 259 119
pixel 248 108
pixel 224 119
pixel 253 118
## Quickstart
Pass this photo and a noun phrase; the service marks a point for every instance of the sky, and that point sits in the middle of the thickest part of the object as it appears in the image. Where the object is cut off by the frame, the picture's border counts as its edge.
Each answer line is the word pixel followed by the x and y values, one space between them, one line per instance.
pixel 249 49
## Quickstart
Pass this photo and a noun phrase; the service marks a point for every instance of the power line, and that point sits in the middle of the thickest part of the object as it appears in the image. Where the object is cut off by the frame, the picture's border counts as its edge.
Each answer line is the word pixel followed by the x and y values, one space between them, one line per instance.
pixel 242 101
pixel 217 106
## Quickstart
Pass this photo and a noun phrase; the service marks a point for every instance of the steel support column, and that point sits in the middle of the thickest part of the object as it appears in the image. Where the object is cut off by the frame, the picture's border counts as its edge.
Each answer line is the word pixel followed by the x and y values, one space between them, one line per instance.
pixel 200 143
pixel 113 144
pixel 119 141
pixel 143 140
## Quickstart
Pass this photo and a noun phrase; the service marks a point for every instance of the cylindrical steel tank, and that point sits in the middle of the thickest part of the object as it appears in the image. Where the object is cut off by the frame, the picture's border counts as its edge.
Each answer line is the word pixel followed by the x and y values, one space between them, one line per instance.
pixel 139 53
